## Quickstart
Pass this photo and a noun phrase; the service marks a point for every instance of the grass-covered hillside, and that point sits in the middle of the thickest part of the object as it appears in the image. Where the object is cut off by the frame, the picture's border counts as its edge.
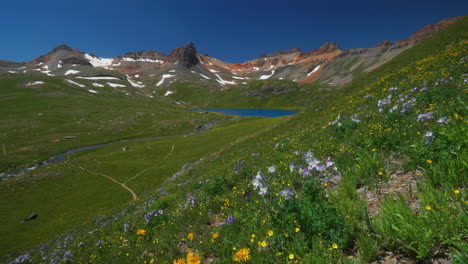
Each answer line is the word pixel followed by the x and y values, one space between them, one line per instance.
pixel 375 173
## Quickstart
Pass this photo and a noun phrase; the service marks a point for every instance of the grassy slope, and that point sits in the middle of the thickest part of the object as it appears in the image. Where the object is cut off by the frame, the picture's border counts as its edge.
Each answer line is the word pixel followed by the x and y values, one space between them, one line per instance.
pixel 257 94
pixel 310 226
pixel 64 196
pixel 55 110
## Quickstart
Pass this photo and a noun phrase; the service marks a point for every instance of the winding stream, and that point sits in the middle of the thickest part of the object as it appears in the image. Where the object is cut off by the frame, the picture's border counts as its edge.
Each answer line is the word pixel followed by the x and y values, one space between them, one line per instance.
pixel 60 157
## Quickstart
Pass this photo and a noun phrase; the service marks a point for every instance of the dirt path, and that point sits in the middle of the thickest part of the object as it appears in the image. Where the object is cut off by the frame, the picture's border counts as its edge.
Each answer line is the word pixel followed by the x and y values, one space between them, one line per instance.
pixel 141 172
pixel 135 197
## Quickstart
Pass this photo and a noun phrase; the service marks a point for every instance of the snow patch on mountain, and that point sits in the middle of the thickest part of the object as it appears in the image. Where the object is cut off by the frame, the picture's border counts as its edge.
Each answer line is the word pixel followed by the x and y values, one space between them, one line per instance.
pixel 221 81
pixel 98 78
pixel 264 77
pixel 97 84
pixel 115 85
pixel 75 83
pixel 204 76
pixel 71 72
pixel 135 84
pixel 92 91
pixel 314 70
pixel 165 76
pixel 34 83
pixel 98 61
pixel 169 93
pixel 141 60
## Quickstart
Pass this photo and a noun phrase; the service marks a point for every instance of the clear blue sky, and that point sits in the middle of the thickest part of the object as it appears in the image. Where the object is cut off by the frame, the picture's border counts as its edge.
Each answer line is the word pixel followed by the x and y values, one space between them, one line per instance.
pixel 233 31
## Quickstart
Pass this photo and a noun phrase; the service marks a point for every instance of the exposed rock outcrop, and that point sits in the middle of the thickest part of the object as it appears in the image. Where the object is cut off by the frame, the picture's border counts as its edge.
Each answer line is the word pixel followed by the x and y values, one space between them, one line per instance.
pixel 185 56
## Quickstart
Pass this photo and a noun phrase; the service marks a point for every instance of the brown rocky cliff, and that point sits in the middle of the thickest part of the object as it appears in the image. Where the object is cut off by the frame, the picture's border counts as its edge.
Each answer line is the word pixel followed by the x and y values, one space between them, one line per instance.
pixel 429 30
pixel 185 56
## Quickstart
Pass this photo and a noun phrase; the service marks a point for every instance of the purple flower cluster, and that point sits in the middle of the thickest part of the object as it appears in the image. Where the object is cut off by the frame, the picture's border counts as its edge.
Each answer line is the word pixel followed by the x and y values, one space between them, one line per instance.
pixel 229 220
pixel 425 116
pixel 286 194
pixel 428 137
pixel 22 259
pixel 127 226
pixel 257 182
pixel 443 120
pixel 152 214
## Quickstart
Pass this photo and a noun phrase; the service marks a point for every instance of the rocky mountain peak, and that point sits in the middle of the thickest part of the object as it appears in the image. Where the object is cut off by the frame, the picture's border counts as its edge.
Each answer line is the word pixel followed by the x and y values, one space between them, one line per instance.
pixel 383 44
pixel 185 56
pixel 329 47
pixel 62 46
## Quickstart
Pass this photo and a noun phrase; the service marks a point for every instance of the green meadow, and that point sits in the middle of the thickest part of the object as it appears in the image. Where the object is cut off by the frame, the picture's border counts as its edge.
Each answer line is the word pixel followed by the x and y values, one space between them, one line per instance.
pixel 372 171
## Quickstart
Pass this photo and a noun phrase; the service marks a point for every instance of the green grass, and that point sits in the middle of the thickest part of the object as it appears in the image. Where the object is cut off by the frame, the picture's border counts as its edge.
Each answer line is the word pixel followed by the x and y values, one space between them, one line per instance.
pixel 64 196
pixel 323 216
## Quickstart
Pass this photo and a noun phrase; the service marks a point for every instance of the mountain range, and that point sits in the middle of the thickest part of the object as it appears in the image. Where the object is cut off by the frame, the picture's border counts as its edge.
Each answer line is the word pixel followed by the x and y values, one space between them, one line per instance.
pixel 328 65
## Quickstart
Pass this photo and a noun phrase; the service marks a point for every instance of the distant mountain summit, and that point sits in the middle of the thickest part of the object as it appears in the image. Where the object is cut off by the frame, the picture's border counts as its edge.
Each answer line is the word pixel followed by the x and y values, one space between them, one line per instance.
pixel 328 64
pixel 185 56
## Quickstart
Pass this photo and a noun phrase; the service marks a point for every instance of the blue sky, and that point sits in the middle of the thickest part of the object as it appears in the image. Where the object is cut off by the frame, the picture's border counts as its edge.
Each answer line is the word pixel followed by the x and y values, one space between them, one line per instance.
pixel 233 31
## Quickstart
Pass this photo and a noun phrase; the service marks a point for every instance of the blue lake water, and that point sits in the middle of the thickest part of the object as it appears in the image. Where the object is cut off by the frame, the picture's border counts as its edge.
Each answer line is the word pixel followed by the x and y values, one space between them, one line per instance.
pixel 251 112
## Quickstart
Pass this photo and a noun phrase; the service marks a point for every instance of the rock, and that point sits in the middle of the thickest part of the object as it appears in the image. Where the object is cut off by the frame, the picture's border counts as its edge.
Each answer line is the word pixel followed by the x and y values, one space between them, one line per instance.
pixel 125 148
pixel 336 179
pixel 70 137
pixel 185 56
pixel 31 217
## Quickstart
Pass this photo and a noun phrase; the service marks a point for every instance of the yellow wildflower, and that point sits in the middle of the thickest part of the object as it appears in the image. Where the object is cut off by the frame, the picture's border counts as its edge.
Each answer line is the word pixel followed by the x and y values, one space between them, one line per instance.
pixel 297 229
pixel 456 191
pixel 178 261
pixel 428 207
pixel 429 161
pixel 193 258
pixel 334 245
pixel 263 243
pixel 291 256
pixel 270 232
pixel 242 255
pixel 141 232
pixel 216 235
pixel 190 236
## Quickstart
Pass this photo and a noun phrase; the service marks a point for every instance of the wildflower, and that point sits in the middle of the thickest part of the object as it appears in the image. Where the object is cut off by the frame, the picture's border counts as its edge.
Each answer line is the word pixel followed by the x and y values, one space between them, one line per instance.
pixel 141 232
pixel 425 116
pixel 334 245
pixel 215 235
pixel 229 220
pixel 193 258
pixel 443 120
pixel 263 190
pixel 270 232
pixel 242 255
pixel 291 256
pixel 152 214
pixel 257 181
pixel 99 243
pixel 355 118
pixel 263 243
pixel 190 236
pixel 127 226
pixel 429 136
pixel 286 194
pixel 272 168
pixel 67 256
pixel 178 261
pixel 429 161
pixel 428 207
pixel 297 229
pixel 23 258
pixel 456 191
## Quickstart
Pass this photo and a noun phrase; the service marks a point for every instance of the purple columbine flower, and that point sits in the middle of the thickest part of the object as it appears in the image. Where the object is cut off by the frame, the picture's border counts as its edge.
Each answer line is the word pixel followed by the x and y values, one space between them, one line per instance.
pixel 67 256
pixel 429 136
pixel 152 214
pixel 127 226
pixel 272 168
pixel 230 220
pixel 263 190
pixel 257 181
pixel 99 243
pixel 443 120
pixel 425 116
pixel 286 194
